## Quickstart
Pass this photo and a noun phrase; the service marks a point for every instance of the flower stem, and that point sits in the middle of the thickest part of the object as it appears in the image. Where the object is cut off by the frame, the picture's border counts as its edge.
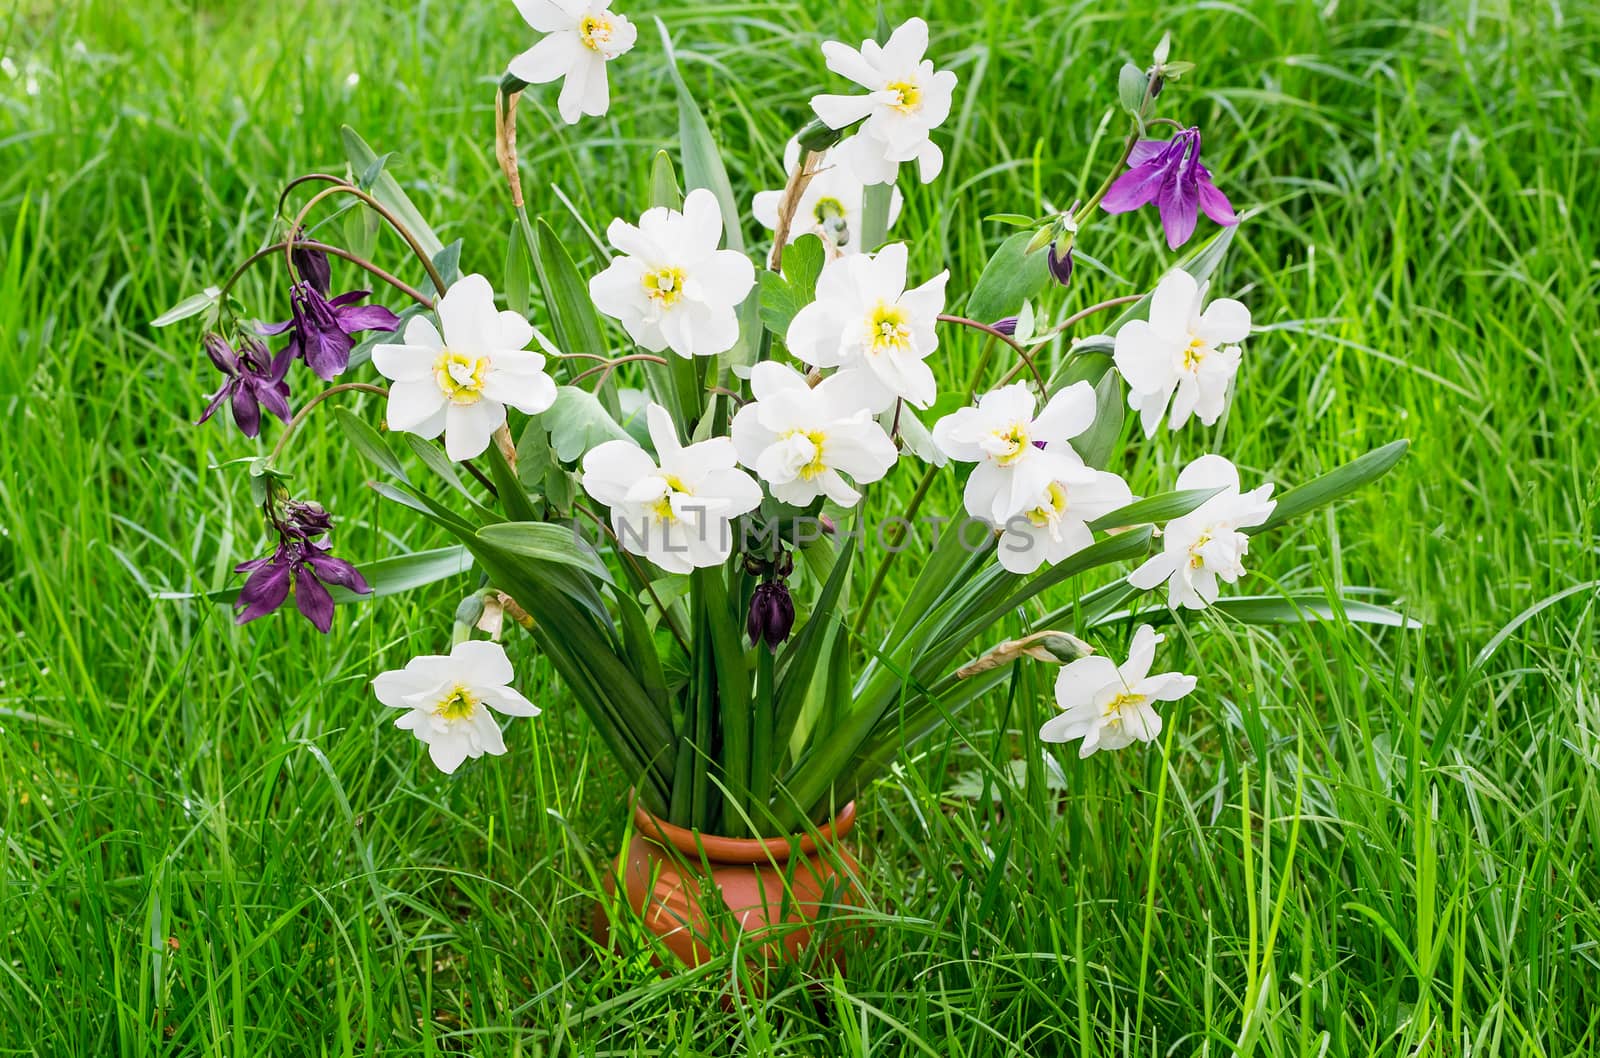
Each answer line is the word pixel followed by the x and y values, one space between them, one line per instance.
pixel 610 364
pixel 761 762
pixel 1075 318
pixel 995 333
pixel 381 210
pixel 305 410
pixel 304 244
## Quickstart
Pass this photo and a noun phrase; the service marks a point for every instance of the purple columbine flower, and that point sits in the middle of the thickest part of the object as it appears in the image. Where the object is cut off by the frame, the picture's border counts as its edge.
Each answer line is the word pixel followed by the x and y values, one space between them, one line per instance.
pixel 1170 175
pixel 322 331
pixel 1006 325
pixel 771 614
pixel 255 380
pixel 299 566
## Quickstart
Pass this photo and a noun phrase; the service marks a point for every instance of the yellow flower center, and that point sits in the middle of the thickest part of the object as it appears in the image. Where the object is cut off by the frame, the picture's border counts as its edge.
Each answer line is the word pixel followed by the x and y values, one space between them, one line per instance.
pixel 664 286
pixel 889 329
pixel 1118 705
pixel 1196 560
pixel 662 508
pixel 1044 514
pixel 828 209
pixel 816 466
pixel 460 377
pixel 595 31
pixel 1195 353
pixel 460 705
pixel 910 94
pixel 1014 444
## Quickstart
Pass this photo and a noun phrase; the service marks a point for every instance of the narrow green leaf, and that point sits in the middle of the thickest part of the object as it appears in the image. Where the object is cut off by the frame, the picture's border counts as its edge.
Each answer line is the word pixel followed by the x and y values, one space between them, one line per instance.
pixel 369 443
pixel 519 272
pixel 386 189
pixel 572 317
pixel 1334 484
pixel 1096 444
pixel 193 305
pixel 1159 508
pixel 664 189
pixel 547 542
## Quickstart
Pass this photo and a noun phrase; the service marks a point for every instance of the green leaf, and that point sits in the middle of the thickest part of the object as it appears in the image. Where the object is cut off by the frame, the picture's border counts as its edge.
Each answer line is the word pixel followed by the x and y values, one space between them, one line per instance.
pixel 518 280
pixel 387 190
pixel 782 297
pixel 1096 444
pixel 1285 610
pixel 1334 484
pixel 572 316
pixel 193 305
pixel 664 189
pixel 1010 278
pixel 447 262
pixel 547 542
pixel 1132 84
pixel 1160 508
pixel 369 443
pixel 1014 220
pixel 577 422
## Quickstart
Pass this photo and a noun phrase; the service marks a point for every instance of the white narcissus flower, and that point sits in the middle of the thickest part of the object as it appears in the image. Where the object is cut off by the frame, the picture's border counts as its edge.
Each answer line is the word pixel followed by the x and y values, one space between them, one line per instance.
pixel 1056 526
pixel 1003 437
pixel 460 382
pixel 583 35
pixel 1205 546
pixel 448 699
pixel 830 206
pixel 866 322
pixel 672 288
pixel 802 440
pixel 1110 706
pixel 678 514
pixel 906 99
pixel 1181 355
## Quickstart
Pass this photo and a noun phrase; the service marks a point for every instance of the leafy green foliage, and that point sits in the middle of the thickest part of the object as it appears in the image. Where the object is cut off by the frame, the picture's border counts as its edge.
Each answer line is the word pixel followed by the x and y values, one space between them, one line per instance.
pixel 783 296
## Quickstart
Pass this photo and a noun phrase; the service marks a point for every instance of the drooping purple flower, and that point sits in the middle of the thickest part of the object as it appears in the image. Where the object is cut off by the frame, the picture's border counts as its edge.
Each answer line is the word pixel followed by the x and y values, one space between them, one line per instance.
pixel 1060 264
pixel 1170 175
pixel 312 265
pixel 299 566
pixel 771 614
pixel 1006 325
pixel 255 380
pixel 322 332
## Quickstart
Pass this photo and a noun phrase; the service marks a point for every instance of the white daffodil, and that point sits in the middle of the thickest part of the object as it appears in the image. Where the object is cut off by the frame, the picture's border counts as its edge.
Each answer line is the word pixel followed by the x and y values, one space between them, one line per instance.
pixel 460 382
pixel 830 206
pixel 1181 355
pixel 906 99
pixel 1205 546
pixel 447 701
pixel 865 321
pixel 1110 706
pixel 672 288
pixel 678 514
pixel 1004 438
pixel 802 440
pixel 582 36
pixel 1056 527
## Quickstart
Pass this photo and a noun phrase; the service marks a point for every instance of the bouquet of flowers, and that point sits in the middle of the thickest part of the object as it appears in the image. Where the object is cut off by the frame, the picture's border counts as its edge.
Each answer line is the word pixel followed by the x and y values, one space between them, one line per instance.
pixel 681 483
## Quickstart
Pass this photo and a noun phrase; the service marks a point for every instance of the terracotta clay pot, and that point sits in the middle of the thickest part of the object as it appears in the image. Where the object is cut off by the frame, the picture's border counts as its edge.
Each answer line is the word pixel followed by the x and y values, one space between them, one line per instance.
pixel 772 889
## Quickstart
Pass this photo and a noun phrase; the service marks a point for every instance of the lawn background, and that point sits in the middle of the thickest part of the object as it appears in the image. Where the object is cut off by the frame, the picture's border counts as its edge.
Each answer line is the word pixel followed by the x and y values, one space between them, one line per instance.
pixel 1369 841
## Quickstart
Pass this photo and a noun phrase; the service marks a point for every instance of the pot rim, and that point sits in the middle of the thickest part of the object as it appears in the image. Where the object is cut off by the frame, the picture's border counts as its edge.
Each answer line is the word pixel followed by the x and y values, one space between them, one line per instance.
pixel 719 849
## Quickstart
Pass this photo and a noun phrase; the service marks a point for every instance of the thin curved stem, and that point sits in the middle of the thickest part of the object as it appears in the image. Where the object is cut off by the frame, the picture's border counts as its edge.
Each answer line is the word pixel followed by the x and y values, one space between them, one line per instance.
pixel 1075 318
pixel 611 365
pixel 381 210
pixel 360 262
pixel 326 178
pixel 994 332
pixel 305 410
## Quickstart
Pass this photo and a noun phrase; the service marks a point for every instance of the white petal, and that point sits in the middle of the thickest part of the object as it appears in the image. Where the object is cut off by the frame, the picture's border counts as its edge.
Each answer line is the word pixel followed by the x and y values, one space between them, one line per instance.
pixel 448 752
pixel 415 407
pixel 480 663
pixel 549 59
pixel 468 428
pixel 404 363
pixel 471 322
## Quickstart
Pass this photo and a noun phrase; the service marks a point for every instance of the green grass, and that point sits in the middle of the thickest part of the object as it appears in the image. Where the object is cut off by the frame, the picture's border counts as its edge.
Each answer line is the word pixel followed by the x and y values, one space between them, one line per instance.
pixel 1351 842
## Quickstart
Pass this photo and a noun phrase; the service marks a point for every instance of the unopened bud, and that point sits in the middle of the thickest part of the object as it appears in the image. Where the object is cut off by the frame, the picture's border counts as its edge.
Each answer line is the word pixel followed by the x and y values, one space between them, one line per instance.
pixel 817 136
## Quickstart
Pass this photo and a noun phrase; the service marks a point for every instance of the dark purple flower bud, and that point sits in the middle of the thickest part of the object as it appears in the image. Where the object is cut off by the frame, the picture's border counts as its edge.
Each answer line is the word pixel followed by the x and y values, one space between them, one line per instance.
pixel 255 380
pixel 1169 174
pixel 322 332
pixel 1060 264
pixel 1006 326
pixel 771 614
pixel 312 266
